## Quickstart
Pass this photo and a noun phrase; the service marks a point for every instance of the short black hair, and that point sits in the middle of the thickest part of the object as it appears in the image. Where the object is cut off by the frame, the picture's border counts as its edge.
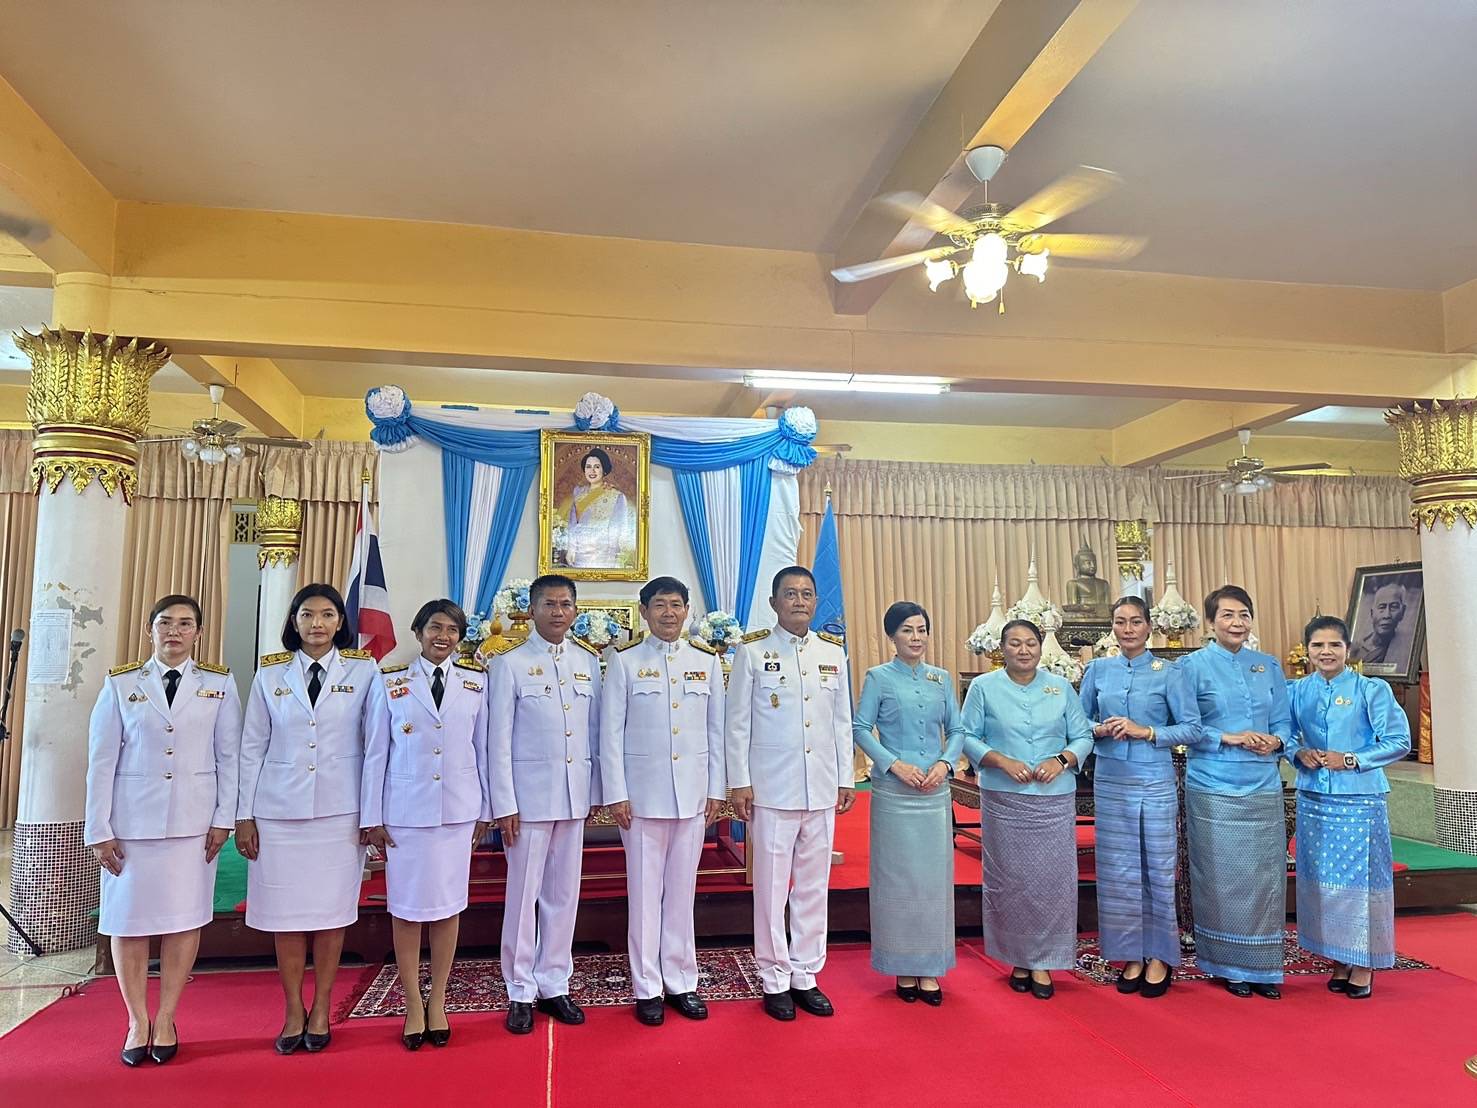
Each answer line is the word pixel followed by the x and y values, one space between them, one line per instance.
pixel 899 614
pixel 549 581
pixel 659 585
pixel 600 456
pixel 446 607
pixel 164 603
pixel 1026 623
pixel 342 638
pixel 790 571
pixel 1131 602
pixel 1319 623
pixel 1227 592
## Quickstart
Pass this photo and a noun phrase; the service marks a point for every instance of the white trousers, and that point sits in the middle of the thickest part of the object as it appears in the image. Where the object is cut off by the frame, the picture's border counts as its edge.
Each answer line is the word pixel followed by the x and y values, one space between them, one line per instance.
pixel 792 863
pixel 543 873
pixel 661 878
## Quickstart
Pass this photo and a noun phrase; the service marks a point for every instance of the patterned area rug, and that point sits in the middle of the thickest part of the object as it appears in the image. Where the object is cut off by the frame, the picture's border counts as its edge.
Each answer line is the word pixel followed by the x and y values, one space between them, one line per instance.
pixel 1295 961
pixel 599 981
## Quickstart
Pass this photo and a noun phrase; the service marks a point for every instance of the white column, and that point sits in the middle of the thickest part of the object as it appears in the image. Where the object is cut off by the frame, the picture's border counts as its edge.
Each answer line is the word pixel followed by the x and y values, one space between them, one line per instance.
pixel 1438 456
pixel 89 404
pixel 278 530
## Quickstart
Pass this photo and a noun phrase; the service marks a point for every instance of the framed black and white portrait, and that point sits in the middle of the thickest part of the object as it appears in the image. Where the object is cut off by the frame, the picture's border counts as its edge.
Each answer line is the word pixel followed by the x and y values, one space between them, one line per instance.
pixel 1387 621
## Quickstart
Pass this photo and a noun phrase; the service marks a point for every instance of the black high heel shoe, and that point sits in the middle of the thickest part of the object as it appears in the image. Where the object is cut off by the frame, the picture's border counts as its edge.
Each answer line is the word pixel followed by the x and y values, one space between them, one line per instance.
pixel 411 1040
pixel 932 997
pixel 135 1055
pixel 907 993
pixel 162 1054
pixel 1360 992
pixel 1020 980
pixel 1043 991
pixel 1337 984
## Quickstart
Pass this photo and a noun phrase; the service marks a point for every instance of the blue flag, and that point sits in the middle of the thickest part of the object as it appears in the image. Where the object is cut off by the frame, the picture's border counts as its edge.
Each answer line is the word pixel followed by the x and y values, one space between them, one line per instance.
pixel 830 604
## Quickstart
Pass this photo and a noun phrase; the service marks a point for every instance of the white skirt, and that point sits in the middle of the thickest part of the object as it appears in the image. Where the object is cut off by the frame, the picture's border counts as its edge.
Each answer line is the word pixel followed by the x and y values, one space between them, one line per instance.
pixel 427 871
pixel 307 874
pixel 165 887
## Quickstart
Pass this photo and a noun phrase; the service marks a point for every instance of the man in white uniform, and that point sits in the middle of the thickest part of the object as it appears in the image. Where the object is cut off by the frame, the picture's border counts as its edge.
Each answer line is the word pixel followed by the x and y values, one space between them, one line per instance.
pixel 543 742
pixel 789 764
pixel 661 772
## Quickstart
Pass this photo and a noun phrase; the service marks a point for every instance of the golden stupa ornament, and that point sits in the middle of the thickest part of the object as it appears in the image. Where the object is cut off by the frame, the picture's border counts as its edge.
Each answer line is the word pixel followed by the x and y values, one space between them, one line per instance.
pixel 1131 536
pixel 278 523
pixel 1438 456
pixel 89 403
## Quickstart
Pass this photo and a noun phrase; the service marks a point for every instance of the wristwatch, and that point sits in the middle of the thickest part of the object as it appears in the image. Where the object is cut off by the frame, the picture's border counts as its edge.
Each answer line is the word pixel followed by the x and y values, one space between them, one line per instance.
pixel 1062 758
pixel 1351 762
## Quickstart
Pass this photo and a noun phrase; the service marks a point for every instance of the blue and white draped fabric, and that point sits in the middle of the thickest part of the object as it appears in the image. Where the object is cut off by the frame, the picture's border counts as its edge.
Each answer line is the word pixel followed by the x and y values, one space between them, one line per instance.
pixel 734 480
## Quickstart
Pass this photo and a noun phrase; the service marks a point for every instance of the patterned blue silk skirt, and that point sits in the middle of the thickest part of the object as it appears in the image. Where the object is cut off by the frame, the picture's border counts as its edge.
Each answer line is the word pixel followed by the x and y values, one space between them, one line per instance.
pixel 1135 818
pixel 1345 879
pixel 1238 883
pixel 1030 879
pixel 912 880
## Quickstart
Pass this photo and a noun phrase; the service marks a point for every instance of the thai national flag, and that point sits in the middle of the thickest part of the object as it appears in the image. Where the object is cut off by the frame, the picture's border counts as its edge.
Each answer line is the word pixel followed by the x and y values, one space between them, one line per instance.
pixel 367 597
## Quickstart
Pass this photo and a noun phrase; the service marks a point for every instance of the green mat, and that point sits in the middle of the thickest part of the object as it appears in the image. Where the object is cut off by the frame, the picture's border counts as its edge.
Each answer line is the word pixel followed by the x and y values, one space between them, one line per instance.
pixel 1428 856
pixel 230 879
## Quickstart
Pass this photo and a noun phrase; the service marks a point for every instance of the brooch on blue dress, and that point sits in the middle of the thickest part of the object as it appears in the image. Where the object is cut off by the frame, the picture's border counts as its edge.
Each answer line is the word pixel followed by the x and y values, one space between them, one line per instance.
pixel 1342 700
pixel 1156 664
pixel 935 678
pixel 1258 668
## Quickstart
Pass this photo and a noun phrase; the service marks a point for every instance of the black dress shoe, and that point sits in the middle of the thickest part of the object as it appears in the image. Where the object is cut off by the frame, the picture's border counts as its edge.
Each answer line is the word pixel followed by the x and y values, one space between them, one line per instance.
pixel 440 1037
pixel 286 1044
pixel 315 1043
pixel 1152 989
pixel 520 1017
pixel 688 1004
pixel 907 993
pixel 650 1011
pixel 561 1008
pixel 1020 980
pixel 135 1055
pixel 1129 984
pixel 1271 992
pixel 932 997
pixel 1360 992
pixel 813 1001
pixel 1337 984
pixel 162 1054
pixel 779 1006
pixel 413 1040
pixel 1238 988
pixel 1043 992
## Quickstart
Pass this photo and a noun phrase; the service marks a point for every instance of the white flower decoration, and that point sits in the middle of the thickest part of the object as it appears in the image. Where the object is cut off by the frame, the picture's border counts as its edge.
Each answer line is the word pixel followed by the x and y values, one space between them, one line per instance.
pixel 386 402
pixel 594 408
pixel 800 420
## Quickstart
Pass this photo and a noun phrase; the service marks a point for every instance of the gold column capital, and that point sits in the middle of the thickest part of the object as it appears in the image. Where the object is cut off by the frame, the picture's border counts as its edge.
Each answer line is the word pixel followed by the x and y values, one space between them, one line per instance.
pixel 89 403
pixel 278 523
pixel 1132 539
pixel 1438 456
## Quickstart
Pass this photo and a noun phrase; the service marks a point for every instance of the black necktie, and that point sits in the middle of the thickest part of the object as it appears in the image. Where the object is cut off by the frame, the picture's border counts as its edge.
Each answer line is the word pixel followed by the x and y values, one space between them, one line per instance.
pixel 437 688
pixel 315 683
pixel 171 682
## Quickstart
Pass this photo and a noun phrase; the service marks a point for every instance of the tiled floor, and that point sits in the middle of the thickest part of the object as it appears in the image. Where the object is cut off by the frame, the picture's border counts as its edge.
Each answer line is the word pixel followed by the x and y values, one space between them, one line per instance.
pixel 29 984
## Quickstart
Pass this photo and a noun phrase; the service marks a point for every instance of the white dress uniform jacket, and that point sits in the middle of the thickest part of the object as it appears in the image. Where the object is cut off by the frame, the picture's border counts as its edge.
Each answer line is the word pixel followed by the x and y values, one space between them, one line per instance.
pixel 543 730
pixel 661 729
pixel 426 766
pixel 162 771
pixel 789 720
pixel 300 760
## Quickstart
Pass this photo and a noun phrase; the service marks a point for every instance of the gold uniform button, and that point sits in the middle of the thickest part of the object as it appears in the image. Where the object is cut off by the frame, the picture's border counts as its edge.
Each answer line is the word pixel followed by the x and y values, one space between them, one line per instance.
pixel 674 730
pixel 807 750
pixel 807 696
pixel 312 768
pixel 169 750
pixel 566 707
pixel 312 723
pixel 567 735
pixel 169 727
pixel 435 777
pixel 569 760
pixel 807 723
pixel 675 704
pixel 674 680
pixel 312 746
pixel 561 680
pixel 436 751
pixel 169 777
pixel 438 725
pixel 675 757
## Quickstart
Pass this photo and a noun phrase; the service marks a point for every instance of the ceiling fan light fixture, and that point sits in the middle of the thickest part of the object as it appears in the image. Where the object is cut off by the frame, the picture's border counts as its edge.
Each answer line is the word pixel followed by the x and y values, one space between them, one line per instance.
pixel 938 270
pixel 212 454
pixel 235 451
pixel 983 280
pixel 1033 265
pixel 990 249
pixel 189 448
pixel 984 161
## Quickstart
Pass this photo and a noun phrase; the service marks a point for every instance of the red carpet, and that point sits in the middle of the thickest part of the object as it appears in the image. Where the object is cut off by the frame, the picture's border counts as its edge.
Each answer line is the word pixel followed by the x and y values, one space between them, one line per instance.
pixel 986 1045
pixel 1445 939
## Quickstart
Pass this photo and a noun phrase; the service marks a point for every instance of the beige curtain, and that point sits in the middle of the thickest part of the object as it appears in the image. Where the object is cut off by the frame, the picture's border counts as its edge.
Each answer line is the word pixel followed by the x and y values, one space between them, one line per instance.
pixel 17 555
pixel 327 542
pixel 327 480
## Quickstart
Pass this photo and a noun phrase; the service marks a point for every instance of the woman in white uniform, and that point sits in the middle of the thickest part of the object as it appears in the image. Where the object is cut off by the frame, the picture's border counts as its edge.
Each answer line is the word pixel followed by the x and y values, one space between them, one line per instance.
pixel 302 756
pixel 426 803
pixel 161 799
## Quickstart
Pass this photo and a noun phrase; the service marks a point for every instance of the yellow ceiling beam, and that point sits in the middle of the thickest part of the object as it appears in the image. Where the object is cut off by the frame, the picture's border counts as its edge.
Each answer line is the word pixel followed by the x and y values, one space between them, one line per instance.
pixel 20 267
pixel 1189 425
pixel 1026 54
pixel 1459 315
pixel 255 389
pixel 49 199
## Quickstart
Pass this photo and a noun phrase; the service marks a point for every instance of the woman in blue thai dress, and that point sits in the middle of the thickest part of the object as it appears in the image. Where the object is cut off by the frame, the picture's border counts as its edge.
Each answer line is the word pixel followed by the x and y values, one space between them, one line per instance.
pixel 1233 802
pixel 908 723
pixel 1140 708
pixel 1348 727
pixel 1025 729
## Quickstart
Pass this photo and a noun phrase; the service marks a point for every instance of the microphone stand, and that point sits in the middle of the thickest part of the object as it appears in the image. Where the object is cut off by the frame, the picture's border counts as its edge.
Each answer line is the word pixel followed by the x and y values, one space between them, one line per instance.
pixel 15 653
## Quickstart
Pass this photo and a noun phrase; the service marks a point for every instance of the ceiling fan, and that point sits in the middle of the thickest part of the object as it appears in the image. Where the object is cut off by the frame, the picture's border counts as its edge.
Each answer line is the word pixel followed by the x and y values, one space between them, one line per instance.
pixel 1246 475
pixel 215 440
pixel 999 237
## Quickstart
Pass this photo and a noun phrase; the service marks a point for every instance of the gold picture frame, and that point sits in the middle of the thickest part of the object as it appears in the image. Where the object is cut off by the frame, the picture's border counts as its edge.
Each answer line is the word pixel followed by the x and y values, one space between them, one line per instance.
pixel 591 534
pixel 627 613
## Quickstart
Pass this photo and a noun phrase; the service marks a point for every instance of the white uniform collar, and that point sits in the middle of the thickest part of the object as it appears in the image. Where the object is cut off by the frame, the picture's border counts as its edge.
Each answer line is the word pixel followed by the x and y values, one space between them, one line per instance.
pixel 663 647
pixel 328 661
pixel 793 640
pixel 429 668
pixel 183 667
pixel 537 641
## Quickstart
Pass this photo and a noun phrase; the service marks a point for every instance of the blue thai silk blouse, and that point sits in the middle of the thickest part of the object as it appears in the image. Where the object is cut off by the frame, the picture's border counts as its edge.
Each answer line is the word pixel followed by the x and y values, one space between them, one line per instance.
pixel 1244 691
pixel 1150 691
pixel 1351 714
pixel 1030 722
pixel 915 712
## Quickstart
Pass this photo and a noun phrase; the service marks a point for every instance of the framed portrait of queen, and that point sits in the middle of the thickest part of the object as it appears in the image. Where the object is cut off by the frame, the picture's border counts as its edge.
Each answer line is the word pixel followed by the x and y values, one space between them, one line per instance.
pixel 594 505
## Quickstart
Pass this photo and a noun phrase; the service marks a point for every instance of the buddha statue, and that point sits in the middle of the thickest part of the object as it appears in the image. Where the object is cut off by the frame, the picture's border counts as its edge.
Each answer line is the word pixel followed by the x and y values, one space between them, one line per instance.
pixel 1088 595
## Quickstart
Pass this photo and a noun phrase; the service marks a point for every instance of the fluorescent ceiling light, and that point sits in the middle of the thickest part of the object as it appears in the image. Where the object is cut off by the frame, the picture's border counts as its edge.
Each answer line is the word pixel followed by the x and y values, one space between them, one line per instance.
pixel 846 382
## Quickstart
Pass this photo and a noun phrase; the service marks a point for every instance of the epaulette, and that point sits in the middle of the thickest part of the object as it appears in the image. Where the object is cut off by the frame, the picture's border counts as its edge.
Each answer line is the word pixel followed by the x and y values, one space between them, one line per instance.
pixel 356 653
pixel 587 645
pixel 755 636
pixel 635 640
pixel 470 663
pixel 395 669
pixel 276 659
pixel 830 638
pixel 502 646
pixel 698 644
pixel 211 667
pixel 127 667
